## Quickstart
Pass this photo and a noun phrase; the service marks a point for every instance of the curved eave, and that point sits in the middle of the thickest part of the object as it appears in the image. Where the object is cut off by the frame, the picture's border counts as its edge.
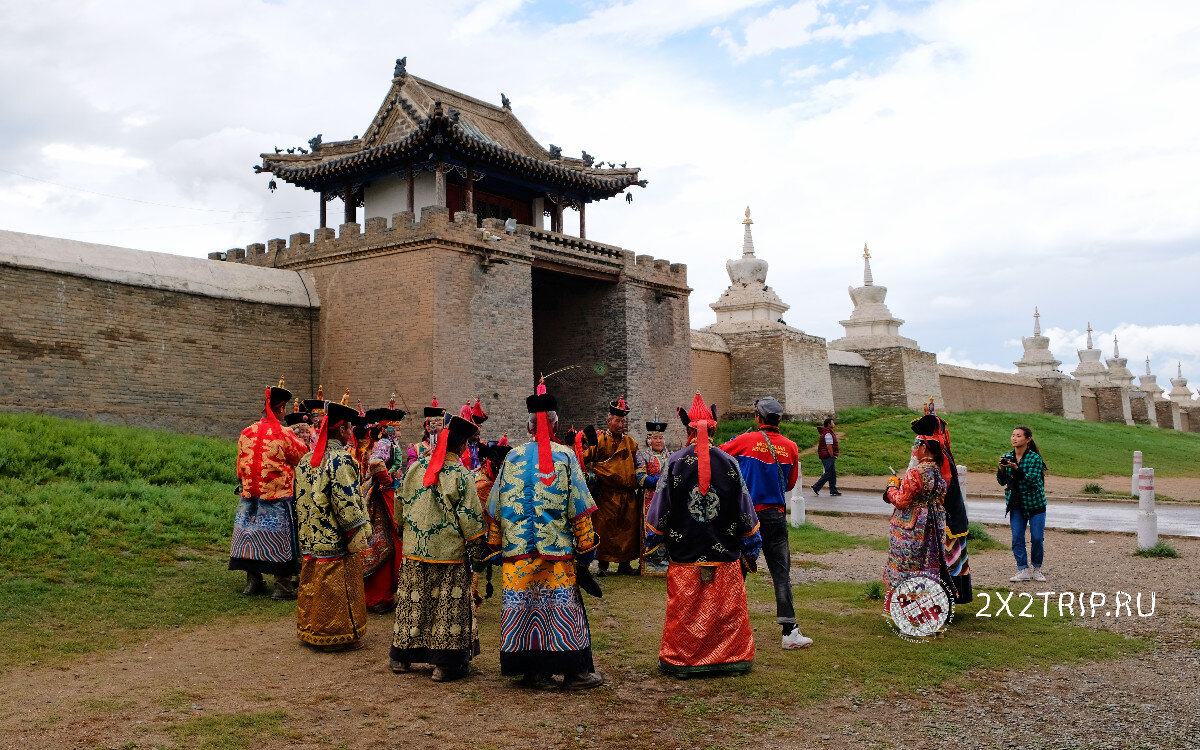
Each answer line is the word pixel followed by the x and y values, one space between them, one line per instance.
pixel 371 162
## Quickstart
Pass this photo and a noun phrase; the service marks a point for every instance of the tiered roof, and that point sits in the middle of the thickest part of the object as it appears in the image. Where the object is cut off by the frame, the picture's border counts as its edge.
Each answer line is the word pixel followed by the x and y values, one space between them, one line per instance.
pixel 421 121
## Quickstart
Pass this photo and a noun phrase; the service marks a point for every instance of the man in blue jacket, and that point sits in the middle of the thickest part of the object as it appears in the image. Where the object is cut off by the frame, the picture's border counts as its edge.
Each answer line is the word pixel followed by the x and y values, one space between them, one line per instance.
pixel 770 464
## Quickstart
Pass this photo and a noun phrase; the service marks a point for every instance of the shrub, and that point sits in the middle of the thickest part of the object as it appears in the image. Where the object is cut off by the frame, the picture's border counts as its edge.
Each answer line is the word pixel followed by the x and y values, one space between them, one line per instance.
pixel 1093 488
pixel 874 591
pixel 1162 549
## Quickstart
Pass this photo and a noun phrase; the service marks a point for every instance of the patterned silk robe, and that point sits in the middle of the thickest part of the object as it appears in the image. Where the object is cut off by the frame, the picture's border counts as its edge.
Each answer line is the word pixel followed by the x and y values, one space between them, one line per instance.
pixel 264 526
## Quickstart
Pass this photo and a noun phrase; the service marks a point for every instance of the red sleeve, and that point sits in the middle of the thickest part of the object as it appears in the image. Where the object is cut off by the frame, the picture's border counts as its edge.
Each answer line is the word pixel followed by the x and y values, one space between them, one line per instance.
pixel 795 475
pixel 910 487
pixel 293 447
pixel 733 446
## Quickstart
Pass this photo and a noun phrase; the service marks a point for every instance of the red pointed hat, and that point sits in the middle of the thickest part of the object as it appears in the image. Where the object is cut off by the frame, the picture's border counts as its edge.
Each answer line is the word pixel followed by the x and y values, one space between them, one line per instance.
pixel 477 415
pixel 465 411
pixel 701 418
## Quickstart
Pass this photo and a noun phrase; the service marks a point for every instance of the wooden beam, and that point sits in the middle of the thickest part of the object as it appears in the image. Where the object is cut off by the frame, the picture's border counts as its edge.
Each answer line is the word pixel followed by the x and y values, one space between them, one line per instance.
pixel 323 220
pixel 412 195
pixel 569 270
pixel 582 221
pixel 348 197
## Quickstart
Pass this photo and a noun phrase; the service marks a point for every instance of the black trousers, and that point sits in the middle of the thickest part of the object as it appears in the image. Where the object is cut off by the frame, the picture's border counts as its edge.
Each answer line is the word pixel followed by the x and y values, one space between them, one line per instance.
pixel 830 475
pixel 773 527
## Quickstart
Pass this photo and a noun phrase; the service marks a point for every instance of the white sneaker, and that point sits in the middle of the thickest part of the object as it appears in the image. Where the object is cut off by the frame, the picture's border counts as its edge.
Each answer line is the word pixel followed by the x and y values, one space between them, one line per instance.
pixel 796 639
pixel 1024 574
pixel 1037 575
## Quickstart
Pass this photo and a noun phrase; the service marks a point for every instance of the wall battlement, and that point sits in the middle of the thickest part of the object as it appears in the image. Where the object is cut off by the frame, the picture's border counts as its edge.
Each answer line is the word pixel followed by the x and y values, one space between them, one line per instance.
pixel 490 242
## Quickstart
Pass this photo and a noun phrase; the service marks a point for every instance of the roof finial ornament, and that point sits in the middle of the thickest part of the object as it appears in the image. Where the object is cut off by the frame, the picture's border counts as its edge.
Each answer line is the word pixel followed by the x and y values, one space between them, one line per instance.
pixel 504 102
pixel 1116 349
pixel 747 240
pixel 1147 364
pixel 1037 324
pixel 868 280
pixel 401 71
pixel 1179 369
pixel 1089 331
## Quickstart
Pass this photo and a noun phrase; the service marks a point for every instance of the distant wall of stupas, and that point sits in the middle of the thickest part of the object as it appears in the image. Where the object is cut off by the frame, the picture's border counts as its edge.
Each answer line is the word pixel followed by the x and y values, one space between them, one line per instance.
pixel 873 365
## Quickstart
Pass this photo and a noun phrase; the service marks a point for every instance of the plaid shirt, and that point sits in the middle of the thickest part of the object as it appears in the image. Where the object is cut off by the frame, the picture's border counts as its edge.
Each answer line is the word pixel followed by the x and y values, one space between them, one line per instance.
pixel 1024 484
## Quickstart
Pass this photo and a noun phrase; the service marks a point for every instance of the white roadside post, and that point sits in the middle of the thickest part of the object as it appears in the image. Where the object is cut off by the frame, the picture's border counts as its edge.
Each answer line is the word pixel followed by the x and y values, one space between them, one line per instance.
pixel 797 497
pixel 1137 470
pixel 1147 522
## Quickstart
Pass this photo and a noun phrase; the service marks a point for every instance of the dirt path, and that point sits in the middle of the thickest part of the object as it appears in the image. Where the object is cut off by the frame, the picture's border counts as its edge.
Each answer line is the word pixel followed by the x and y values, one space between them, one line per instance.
pixel 133 698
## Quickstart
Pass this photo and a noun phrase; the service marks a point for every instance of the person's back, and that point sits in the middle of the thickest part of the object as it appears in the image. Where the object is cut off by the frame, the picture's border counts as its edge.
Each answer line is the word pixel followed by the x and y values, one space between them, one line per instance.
pixel 770 464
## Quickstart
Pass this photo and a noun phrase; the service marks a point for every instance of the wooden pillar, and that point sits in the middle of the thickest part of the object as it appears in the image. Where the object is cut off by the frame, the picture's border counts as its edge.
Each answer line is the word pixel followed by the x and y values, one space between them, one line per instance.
pixel 439 185
pixel 470 207
pixel 582 221
pixel 351 211
pixel 323 221
pixel 412 195
pixel 558 217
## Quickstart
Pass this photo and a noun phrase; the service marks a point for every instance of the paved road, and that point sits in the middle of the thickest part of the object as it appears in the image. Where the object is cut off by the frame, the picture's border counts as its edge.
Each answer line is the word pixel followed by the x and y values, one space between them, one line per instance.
pixel 1174 520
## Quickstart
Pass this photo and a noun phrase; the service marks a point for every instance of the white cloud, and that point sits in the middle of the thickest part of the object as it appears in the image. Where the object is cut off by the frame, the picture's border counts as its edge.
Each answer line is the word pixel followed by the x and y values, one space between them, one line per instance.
pixel 650 21
pixel 97 156
pixel 486 16
pixel 946 357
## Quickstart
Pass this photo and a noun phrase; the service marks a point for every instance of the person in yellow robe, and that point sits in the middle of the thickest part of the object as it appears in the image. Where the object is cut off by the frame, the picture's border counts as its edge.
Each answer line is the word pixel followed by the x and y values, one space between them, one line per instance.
pixel 612 461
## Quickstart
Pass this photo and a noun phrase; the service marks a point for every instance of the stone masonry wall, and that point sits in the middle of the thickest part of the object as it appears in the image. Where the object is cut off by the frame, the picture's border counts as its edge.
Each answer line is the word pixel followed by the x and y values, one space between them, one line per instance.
pixel 1091 410
pixel 851 386
pixel 963 394
pixel 710 376
pixel 1168 415
pixel 755 369
pixel 808 393
pixel 1141 409
pixel 1112 404
pixel 81 348
pixel 903 377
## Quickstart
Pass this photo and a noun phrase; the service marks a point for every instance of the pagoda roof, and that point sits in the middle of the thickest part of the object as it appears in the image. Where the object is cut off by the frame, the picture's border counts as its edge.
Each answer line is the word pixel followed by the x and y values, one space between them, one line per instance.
pixel 421 121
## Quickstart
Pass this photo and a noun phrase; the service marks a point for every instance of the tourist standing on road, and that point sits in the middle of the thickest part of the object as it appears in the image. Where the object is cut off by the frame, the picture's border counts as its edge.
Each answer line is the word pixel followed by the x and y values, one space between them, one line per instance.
pixel 770 465
pixel 703 516
pixel 540 523
pixel 1023 474
pixel 915 545
pixel 331 612
pixel 827 451
pixel 443 529
pixel 612 460
pixel 264 527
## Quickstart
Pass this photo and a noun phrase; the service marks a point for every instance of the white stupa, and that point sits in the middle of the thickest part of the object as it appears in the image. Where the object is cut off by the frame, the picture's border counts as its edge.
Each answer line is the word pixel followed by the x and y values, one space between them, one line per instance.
pixel 1149 384
pixel 1180 393
pixel 748 302
pixel 871 324
pixel 1037 360
pixel 1118 373
pixel 1090 370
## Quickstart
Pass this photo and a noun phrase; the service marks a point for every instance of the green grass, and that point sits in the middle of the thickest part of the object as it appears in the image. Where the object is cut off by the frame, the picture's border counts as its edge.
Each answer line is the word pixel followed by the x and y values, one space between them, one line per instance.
pixel 1162 549
pixel 1093 488
pixel 873 438
pixel 979 539
pixel 808 538
pixel 106 531
pixel 232 731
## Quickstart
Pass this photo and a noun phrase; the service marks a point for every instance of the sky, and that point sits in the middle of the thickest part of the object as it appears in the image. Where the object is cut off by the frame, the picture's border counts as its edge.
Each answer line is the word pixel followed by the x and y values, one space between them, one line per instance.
pixel 995 155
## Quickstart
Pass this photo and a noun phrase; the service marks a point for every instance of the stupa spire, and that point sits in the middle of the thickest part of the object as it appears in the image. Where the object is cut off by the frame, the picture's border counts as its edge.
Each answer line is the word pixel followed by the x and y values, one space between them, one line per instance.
pixel 1089 340
pixel 1037 324
pixel 1147 365
pixel 1116 348
pixel 748 240
pixel 867 279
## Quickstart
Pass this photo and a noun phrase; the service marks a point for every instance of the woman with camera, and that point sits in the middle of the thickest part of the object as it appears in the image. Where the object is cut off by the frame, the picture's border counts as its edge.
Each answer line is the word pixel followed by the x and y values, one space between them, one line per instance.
pixel 1023 474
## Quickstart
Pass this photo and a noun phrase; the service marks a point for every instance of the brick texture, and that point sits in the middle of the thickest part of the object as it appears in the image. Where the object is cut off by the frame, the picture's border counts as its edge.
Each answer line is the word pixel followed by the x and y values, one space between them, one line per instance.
pixel 710 376
pixel 87 349
pixel 963 394
pixel 851 386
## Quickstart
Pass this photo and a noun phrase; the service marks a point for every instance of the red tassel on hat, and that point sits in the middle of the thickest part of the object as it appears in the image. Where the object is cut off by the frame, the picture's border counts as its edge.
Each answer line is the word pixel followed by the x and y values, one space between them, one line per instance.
pixel 503 440
pixel 271 418
pixel 318 454
pixel 436 461
pixel 545 457
pixel 579 447
pixel 465 411
pixel 702 419
pixel 477 412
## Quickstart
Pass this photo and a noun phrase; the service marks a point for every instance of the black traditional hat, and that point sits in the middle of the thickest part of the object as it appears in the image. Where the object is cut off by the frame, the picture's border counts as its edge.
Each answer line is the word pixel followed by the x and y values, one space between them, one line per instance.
pixel 541 401
pixel 337 413
pixel 316 405
pixel 433 410
pixel 460 428
pixel 656 426
pixel 380 416
pixel 297 417
pixel 279 394
pixel 618 408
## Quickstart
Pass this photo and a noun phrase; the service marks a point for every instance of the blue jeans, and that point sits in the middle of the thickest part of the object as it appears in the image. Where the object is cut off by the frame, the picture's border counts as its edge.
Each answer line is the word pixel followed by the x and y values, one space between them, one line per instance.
pixel 1037 533
pixel 830 475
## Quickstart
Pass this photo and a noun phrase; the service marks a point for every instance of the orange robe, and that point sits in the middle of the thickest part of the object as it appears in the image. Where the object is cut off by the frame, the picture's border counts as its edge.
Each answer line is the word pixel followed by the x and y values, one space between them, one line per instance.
pixel 618 517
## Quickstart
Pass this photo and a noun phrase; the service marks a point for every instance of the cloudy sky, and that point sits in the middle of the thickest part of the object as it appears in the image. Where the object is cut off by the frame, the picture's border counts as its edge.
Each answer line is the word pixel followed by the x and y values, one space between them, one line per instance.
pixel 995 155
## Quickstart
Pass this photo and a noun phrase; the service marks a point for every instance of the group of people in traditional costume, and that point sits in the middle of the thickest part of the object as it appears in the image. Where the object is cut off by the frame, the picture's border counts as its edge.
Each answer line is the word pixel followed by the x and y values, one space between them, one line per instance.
pixel 348 520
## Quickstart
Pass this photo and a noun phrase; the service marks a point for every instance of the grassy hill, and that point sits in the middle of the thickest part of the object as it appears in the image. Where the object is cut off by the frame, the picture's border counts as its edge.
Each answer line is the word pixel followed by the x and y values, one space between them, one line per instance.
pixel 105 530
pixel 873 438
